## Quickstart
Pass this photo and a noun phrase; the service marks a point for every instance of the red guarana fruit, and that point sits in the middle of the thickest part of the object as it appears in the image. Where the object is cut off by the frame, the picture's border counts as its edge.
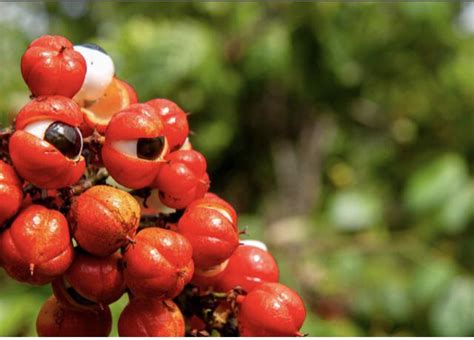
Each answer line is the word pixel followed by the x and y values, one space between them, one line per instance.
pixel 11 194
pixel 206 279
pixel 104 219
pixel 159 264
pixel 212 235
pixel 56 320
pixel 182 179
pixel 50 66
pixel 69 298
pixel 39 161
pixel 135 146
pixel 174 119
pixel 271 309
pixel 37 247
pixel 212 201
pixel 151 317
pixel 248 267
pixel 98 279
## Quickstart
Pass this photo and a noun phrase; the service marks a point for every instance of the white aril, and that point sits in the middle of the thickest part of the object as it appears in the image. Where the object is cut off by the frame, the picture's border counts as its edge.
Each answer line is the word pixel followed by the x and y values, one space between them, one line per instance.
pixel 99 74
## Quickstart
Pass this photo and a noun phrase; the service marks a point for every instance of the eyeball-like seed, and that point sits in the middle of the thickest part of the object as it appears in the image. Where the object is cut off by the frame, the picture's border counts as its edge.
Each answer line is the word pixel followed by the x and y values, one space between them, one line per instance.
pixel 99 75
pixel 143 148
pixel 66 138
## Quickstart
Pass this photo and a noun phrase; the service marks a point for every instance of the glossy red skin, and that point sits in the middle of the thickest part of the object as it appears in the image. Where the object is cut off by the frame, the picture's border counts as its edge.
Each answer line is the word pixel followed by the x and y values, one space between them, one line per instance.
pixel 38 161
pixel 159 264
pixel 137 121
pixel 212 236
pixel 98 279
pixel 193 159
pixel 248 267
pixel 56 320
pixel 50 66
pixel 11 194
pixel 104 219
pixel 271 309
pixel 175 120
pixel 183 179
pixel 57 108
pixel 151 317
pixel 133 97
pixel 39 237
pixel 213 201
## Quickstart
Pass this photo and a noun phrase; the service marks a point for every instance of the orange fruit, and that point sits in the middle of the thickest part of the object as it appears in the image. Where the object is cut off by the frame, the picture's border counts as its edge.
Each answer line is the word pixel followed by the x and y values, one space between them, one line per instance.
pixel 118 96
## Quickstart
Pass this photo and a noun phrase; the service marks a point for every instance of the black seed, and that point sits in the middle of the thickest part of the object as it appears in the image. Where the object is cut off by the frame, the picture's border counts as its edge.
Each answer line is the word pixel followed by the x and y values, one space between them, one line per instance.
pixel 150 148
pixel 65 138
pixel 94 47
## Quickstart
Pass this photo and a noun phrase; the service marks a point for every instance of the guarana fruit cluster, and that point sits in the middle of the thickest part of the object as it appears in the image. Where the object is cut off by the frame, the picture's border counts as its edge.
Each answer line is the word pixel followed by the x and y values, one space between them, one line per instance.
pixel 103 196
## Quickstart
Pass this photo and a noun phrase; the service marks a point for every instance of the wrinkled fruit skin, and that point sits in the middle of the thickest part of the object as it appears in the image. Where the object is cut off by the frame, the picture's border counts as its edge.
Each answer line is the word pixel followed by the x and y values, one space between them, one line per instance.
pixel 57 320
pixel 50 66
pixel 159 264
pixel 38 161
pixel 37 247
pixel 182 179
pixel 151 317
pixel 104 219
pixel 137 121
pixel 271 309
pixel 98 279
pixel 212 236
pixel 11 195
pixel 248 267
pixel 174 119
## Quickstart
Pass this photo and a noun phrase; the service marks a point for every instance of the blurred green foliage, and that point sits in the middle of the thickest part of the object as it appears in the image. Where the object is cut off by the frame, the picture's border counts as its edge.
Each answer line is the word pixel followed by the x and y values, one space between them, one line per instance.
pixel 341 132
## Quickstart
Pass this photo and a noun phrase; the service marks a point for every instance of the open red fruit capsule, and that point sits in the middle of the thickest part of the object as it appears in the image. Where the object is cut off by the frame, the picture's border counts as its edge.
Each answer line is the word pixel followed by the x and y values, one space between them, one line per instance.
pixel 55 319
pixel 37 247
pixel 104 219
pixel 117 97
pixel 174 119
pixel 159 264
pixel 11 195
pixel 47 144
pixel 50 66
pixel 151 317
pixel 271 309
pixel 135 146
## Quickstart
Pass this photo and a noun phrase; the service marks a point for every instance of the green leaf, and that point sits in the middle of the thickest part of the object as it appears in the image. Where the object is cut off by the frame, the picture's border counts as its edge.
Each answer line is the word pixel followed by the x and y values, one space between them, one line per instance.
pixel 430 279
pixel 430 186
pixel 354 210
pixel 458 210
pixel 453 312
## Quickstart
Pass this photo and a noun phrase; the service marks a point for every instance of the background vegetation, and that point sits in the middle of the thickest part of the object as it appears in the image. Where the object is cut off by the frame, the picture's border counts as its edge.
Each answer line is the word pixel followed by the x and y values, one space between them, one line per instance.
pixel 341 132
